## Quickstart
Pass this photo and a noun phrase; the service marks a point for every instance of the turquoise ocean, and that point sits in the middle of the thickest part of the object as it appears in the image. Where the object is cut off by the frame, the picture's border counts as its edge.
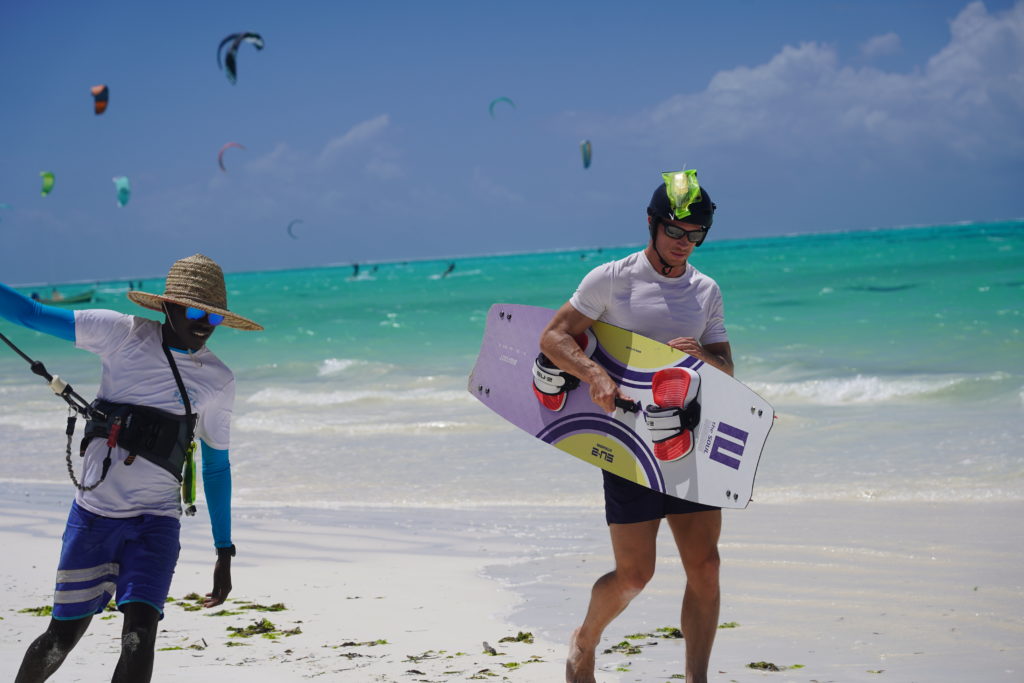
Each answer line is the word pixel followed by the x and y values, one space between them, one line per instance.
pixel 894 359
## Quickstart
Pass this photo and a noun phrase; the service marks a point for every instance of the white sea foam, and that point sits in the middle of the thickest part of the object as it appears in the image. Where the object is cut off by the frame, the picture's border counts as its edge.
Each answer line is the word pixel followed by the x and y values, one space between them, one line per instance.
pixel 586 502
pixel 42 420
pixel 920 491
pixel 420 489
pixel 299 425
pixel 334 366
pixel 296 397
pixel 441 276
pixel 855 390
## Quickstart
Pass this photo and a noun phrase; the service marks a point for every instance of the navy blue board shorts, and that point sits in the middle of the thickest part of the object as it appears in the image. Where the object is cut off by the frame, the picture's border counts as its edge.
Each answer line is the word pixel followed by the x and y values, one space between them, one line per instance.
pixel 626 502
pixel 131 558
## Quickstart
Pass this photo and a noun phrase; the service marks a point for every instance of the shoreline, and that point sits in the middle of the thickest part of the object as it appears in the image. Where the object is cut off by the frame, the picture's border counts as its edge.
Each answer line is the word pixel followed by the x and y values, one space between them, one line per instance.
pixel 845 591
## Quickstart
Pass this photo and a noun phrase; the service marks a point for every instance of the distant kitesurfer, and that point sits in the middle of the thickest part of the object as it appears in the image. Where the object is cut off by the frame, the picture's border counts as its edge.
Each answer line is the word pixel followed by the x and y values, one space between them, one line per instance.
pixel 355 269
pixel 658 294
pixel 160 387
pixel 451 267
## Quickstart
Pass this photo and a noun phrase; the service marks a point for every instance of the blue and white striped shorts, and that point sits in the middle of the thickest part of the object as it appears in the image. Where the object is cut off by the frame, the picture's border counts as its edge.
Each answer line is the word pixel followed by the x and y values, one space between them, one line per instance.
pixel 132 558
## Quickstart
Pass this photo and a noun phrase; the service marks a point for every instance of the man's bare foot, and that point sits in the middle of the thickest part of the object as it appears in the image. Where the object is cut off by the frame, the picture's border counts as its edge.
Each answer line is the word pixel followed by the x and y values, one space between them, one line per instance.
pixel 579 666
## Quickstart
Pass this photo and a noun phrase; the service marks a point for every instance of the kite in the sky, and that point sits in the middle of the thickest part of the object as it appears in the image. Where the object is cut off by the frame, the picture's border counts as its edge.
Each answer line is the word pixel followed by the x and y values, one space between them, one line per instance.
pixel 124 189
pixel 291 225
pixel 47 182
pixel 586 151
pixel 498 100
pixel 220 154
pixel 236 40
pixel 100 96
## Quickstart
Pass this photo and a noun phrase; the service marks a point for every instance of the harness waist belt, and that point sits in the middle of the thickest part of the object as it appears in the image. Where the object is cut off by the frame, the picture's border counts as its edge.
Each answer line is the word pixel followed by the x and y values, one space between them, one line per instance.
pixel 156 435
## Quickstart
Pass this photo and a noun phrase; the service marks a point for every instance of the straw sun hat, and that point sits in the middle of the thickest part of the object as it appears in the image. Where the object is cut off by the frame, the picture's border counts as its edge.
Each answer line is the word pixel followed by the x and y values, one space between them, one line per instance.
pixel 199 282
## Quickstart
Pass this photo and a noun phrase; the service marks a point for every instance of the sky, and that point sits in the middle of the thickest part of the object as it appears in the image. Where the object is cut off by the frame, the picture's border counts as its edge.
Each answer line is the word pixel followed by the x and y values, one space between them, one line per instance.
pixel 369 123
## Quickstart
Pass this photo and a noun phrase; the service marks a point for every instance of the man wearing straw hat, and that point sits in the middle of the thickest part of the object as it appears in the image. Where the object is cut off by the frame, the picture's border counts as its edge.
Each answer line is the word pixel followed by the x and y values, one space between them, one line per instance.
pixel 122 536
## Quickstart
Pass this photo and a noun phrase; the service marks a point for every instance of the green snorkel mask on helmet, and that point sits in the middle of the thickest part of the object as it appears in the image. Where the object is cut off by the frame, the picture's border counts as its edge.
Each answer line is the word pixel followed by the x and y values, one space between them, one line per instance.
pixel 680 198
pixel 683 190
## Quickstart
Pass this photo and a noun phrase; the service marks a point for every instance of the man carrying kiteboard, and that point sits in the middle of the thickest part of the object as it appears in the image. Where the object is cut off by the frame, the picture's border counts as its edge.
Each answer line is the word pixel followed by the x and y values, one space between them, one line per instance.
pixel 656 293
pixel 160 386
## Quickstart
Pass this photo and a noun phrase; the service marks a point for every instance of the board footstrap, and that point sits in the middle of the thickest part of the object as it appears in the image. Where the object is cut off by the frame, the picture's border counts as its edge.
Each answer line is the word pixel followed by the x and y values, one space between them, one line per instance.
pixel 675 413
pixel 551 385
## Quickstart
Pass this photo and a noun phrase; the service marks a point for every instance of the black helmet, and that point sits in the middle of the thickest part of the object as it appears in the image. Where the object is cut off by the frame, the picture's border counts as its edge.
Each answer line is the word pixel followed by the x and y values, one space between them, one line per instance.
pixel 702 211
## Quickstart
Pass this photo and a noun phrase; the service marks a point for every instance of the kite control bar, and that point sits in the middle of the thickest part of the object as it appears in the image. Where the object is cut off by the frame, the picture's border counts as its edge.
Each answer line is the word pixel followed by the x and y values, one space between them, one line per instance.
pixel 628 406
pixel 59 386
pixel 77 405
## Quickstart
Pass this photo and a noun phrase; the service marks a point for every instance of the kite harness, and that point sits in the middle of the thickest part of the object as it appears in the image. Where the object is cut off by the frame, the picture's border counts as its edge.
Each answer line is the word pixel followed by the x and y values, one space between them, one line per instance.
pixel 162 438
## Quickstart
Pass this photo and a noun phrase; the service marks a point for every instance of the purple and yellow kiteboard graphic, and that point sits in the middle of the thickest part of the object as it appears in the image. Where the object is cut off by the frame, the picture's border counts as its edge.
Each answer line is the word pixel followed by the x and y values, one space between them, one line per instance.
pixel 728 431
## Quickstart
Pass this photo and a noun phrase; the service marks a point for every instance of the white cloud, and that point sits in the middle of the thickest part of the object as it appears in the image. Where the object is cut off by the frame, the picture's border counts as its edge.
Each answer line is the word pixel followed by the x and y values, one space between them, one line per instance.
pixel 359 133
pixel 880 46
pixel 336 174
pixel 281 162
pixel 968 98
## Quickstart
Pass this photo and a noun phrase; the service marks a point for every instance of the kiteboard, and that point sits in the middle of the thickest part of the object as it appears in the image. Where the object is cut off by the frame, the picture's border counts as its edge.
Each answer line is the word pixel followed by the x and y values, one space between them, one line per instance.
pixel 713 462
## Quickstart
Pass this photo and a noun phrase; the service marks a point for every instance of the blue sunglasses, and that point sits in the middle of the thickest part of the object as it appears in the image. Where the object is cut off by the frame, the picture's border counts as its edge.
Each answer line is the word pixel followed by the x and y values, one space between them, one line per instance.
pixel 193 313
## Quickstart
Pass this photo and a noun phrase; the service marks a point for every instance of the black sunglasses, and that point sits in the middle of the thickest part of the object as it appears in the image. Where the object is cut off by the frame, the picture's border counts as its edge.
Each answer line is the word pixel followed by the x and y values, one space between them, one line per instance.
pixel 675 232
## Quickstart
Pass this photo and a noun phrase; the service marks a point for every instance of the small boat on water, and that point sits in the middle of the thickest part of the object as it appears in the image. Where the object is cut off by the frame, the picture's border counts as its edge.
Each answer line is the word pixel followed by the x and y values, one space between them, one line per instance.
pixel 80 298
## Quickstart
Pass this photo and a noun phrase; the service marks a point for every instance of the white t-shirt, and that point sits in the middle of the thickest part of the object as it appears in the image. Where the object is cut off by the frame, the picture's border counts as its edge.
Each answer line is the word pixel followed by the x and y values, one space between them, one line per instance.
pixel 135 371
pixel 631 294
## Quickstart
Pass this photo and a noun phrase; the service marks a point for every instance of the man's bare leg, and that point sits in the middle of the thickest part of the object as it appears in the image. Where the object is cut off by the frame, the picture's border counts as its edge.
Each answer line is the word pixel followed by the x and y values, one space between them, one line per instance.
pixel 696 535
pixel 633 546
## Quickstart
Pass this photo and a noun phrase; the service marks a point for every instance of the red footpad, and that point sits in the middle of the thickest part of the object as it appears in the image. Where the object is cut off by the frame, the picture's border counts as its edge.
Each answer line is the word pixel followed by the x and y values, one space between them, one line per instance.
pixel 675 412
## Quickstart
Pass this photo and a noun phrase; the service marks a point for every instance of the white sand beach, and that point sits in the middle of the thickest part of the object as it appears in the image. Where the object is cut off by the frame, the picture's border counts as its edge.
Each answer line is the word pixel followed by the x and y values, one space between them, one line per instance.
pixel 825 592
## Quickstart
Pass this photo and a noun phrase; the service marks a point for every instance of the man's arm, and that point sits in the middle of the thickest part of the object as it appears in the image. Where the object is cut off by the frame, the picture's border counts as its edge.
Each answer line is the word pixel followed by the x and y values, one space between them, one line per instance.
pixel 718 354
pixel 217 487
pixel 22 310
pixel 558 344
